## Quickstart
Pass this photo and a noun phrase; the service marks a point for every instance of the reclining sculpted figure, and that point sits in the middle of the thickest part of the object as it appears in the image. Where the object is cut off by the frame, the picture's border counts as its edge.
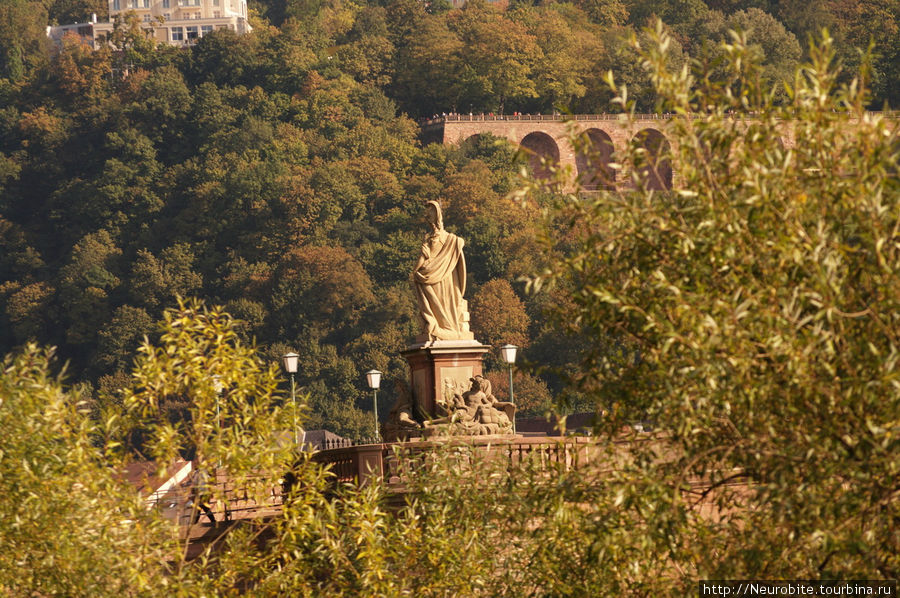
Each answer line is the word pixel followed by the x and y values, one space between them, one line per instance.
pixel 476 412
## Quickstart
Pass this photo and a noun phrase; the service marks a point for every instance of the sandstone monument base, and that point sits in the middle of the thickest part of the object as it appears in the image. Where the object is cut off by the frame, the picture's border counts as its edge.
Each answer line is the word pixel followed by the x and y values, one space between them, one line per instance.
pixel 439 369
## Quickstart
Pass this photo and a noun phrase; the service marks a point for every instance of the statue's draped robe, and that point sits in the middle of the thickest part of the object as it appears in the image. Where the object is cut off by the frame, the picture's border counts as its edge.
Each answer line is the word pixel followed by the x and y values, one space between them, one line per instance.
pixel 440 283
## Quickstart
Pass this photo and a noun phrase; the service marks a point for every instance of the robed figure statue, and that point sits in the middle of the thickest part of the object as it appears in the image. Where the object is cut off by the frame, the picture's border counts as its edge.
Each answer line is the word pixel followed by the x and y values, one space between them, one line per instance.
pixel 440 282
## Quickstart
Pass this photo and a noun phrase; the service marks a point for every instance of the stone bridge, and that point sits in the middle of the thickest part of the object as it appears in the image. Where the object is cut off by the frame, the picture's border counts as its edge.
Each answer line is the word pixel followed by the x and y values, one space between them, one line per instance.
pixel 545 136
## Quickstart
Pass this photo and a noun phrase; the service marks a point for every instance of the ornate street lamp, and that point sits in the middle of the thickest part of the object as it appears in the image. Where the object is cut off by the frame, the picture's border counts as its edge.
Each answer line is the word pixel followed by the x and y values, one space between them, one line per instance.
pixel 291 362
pixel 373 378
pixel 218 387
pixel 508 355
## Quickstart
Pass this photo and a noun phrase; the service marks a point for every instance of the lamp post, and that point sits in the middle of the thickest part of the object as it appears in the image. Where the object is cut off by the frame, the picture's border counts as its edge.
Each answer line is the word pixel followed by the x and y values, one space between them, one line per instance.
pixel 508 355
pixel 217 387
pixel 373 378
pixel 291 362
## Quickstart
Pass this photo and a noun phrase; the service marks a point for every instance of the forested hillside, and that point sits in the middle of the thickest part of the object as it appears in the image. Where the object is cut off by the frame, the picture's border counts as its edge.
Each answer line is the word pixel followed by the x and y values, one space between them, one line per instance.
pixel 279 173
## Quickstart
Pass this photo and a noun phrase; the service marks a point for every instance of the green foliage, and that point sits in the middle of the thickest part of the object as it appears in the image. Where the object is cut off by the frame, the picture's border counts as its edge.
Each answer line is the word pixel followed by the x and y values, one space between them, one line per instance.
pixel 120 337
pixel 532 397
pixel 206 166
pixel 498 315
pixel 201 367
pixel 24 42
pixel 750 315
pixel 69 525
pixel 76 11
pixel 157 282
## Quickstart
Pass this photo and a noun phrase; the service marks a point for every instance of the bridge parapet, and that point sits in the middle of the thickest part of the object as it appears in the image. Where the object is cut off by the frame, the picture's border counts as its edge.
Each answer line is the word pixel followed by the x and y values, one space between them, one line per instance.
pixel 546 136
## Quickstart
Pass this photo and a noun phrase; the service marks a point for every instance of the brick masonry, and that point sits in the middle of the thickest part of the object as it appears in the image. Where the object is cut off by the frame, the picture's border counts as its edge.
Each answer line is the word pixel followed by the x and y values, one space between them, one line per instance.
pixel 536 131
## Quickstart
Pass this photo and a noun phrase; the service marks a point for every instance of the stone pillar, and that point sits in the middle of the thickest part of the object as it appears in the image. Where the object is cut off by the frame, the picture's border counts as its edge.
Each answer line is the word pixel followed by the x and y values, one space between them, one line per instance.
pixel 440 367
pixel 369 462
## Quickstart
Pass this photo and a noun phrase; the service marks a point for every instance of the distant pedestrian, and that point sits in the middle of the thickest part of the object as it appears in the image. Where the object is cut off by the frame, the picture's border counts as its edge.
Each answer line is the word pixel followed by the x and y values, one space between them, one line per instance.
pixel 201 495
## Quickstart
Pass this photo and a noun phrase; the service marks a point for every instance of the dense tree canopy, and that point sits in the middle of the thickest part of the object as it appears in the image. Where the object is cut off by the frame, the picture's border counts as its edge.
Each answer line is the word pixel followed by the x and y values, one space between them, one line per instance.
pixel 750 316
pixel 279 173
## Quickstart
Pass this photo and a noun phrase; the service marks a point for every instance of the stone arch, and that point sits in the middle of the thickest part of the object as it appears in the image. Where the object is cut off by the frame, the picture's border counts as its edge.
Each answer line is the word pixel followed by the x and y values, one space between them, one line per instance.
pixel 656 170
pixel 471 141
pixel 593 162
pixel 538 145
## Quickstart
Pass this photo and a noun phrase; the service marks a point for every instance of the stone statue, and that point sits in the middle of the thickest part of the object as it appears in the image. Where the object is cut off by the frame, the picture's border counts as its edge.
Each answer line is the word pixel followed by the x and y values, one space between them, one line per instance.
pixel 476 412
pixel 494 416
pixel 400 425
pixel 440 282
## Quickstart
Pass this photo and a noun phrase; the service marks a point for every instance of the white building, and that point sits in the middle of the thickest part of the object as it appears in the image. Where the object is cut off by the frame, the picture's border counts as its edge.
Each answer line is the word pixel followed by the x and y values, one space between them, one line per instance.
pixel 175 22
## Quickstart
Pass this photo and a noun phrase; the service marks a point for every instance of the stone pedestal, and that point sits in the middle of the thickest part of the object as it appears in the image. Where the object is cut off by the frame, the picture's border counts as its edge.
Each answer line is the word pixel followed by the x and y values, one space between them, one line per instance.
pixel 438 368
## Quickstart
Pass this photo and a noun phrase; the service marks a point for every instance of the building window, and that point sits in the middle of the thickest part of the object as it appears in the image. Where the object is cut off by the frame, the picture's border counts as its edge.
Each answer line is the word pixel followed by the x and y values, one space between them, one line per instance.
pixel 167 3
pixel 191 34
pixel 146 3
pixel 146 18
pixel 177 34
pixel 134 3
pixel 117 5
pixel 167 16
pixel 204 29
pixel 217 14
pixel 215 2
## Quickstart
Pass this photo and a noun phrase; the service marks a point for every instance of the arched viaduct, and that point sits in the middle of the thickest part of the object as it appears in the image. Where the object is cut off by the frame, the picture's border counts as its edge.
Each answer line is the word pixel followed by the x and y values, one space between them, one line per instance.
pixel 547 136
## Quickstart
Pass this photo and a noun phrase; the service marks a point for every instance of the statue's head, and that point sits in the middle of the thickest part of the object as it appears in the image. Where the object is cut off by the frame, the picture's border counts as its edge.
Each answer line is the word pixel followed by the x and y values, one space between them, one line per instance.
pixel 434 215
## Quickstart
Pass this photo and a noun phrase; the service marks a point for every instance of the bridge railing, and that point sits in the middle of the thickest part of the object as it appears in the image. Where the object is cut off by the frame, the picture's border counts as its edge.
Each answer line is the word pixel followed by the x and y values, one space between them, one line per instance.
pixel 531 117
pixel 394 462
pixel 449 118
pixel 229 501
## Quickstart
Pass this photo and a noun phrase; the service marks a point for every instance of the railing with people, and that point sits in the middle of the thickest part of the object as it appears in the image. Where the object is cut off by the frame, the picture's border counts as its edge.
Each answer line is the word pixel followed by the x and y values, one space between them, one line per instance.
pixel 445 118
pixel 440 120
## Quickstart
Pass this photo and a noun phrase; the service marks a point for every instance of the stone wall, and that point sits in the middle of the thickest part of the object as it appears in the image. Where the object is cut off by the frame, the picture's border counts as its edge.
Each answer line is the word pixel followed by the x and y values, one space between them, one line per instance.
pixel 547 135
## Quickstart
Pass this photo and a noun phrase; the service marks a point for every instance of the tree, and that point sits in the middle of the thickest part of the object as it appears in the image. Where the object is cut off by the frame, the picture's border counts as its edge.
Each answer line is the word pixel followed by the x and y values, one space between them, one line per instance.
pixel 499 59
pixel 133 41
pixel 200 362
pixel 121 336
pixel 156 282
pixel 29 310
pixel 779 49
pixel 77 11
pixel 80 72
pixel 608 13
pixel 751 316
pixel 68 522
pixel 498 315
pixel 531 394
pixel 24 42
pixel 226 58
pixel 319 285
pixel 569 51
pixel 85 284
pixel 429 69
